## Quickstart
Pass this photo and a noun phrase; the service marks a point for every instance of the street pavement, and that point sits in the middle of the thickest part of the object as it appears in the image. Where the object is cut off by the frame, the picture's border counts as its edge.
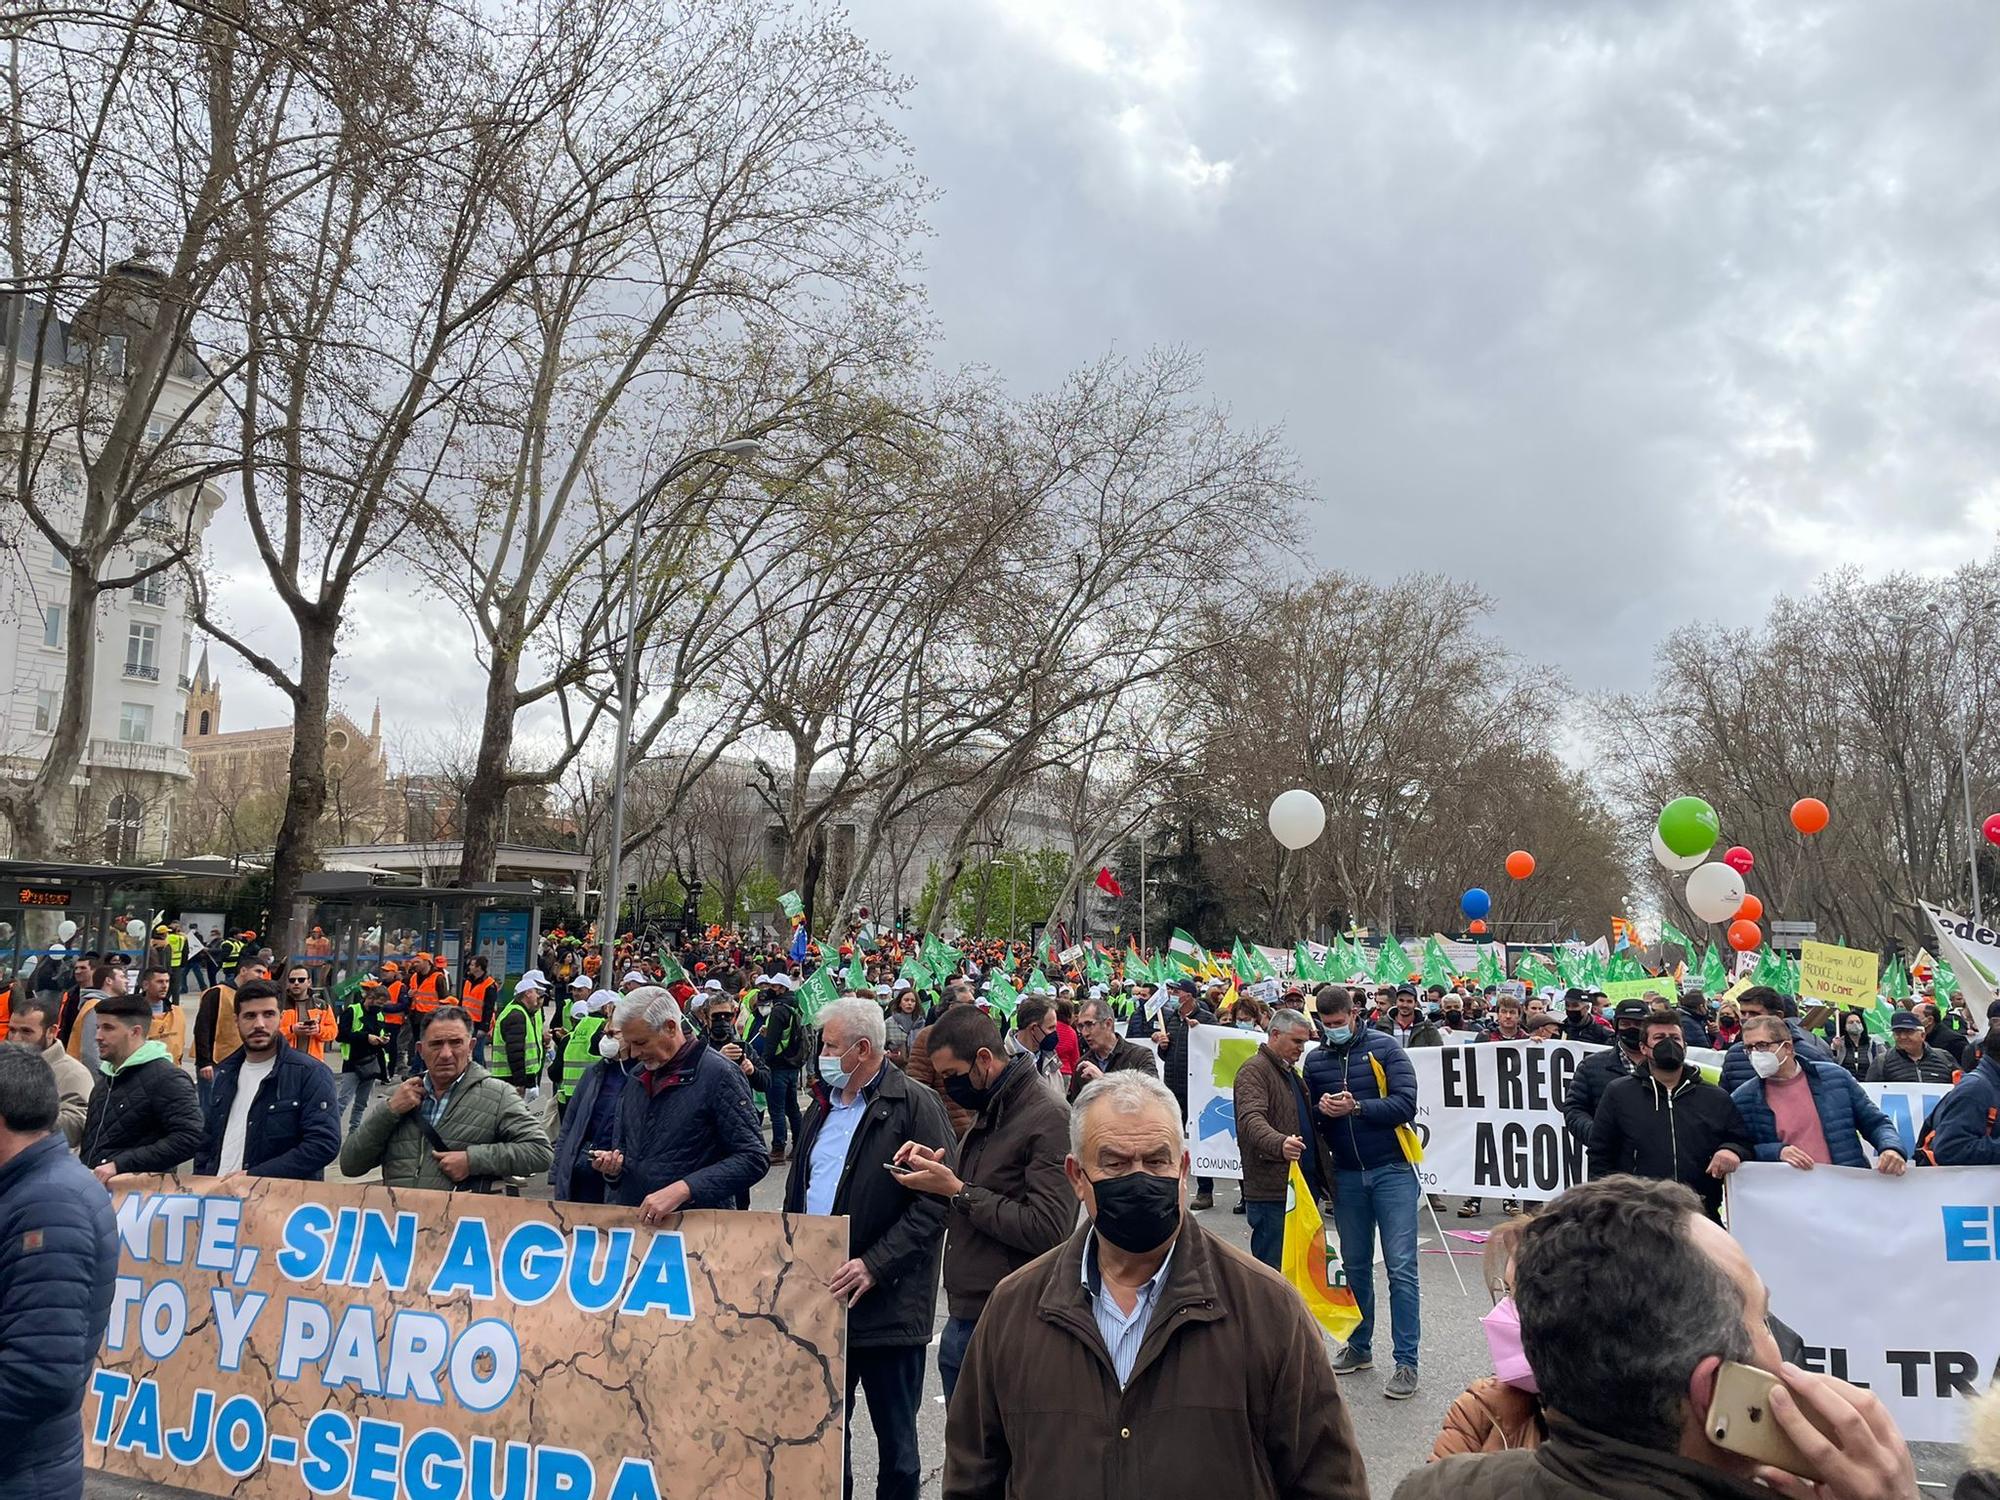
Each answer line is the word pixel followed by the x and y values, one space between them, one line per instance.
pixel 1394 1436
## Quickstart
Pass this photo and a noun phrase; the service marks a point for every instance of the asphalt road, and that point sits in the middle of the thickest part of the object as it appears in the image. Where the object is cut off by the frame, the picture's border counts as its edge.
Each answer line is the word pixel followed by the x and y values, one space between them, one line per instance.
pixel 1394 1436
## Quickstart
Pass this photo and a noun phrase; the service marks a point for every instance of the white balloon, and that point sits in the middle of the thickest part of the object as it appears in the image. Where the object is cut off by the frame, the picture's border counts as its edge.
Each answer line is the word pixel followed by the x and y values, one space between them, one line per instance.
pixel 1679 864
pixel 1297 818
pixel 1714 892
pixel 135 928
pixel 65 930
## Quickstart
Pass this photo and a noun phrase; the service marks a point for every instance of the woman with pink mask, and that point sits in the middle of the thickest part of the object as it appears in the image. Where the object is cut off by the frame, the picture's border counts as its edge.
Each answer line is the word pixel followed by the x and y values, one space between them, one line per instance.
pixel 1501 1410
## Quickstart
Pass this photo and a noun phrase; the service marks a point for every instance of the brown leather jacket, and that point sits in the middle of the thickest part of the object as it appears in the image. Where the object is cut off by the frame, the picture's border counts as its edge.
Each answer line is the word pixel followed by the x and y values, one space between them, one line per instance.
pixel 1267 1110
pixel 1490 1416
pixel 1017 1201
pixel 1231 1394
pixel 919 1068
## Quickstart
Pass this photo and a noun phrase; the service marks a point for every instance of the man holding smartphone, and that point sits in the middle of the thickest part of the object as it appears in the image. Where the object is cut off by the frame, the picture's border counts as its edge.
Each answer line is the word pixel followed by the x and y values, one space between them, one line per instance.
pixel 895 1234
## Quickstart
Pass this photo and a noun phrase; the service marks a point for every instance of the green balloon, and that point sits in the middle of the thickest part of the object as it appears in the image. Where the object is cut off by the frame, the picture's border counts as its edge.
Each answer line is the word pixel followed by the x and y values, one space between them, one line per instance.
pixel 1689 826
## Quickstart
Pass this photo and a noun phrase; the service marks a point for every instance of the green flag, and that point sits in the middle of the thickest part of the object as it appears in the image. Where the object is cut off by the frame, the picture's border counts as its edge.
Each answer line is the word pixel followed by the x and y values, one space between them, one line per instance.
pixel 1535 970
pixel 1896 982
pixel 1569 964
pixel 1944 982
pixel 940 957
pixel 1876 1019
pixel 1623 966
pixel 1096 967
pixel 1038 983
pixel 1714 977
pixel 817 993
pixel 914 970
pixel 1002 997
pixel 1392 964
pixel 671 971
pixel 857 974
pixel 793 904
pixel 1436 970
pixel 1488 970
pixel 1186 952
pixel 1042 947
pixel 1251 966
pixel 1672 934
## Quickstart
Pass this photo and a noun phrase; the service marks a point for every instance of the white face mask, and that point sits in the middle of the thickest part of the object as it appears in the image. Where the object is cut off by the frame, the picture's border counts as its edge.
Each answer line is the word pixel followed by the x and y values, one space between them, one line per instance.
pixel 1766 1064
pixel 607 1046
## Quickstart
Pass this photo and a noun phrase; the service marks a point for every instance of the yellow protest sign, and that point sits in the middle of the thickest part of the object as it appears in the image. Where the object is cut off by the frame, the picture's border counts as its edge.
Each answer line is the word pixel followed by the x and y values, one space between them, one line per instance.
pixel 1839 976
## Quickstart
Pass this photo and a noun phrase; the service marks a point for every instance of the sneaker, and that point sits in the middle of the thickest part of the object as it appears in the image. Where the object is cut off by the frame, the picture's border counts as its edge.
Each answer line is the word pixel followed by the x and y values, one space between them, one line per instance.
pixel 1202 1200
pixel 1240 1207
pixel 1403 1384
pixel 1511 1207
pixel 1468 1208
pixel 1350 1360
pixel 1437 1203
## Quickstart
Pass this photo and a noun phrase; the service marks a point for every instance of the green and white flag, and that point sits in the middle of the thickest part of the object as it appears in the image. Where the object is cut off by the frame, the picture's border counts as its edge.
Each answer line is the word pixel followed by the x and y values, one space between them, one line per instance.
pixel 1672 934
pixel 1038 983
pixel 1304 966
pixel 1042 947
pixel 794 905
pixel 1002 997
pixel 857 974
pixel 1714 977
pixel 1392 964
pixel 816 994
pixel 671 971
pixel 1186 952
pixel 914 970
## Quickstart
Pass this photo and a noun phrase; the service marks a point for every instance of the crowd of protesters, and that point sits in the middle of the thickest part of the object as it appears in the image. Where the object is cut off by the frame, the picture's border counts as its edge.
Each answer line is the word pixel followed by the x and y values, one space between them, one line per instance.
pixel 1011 1128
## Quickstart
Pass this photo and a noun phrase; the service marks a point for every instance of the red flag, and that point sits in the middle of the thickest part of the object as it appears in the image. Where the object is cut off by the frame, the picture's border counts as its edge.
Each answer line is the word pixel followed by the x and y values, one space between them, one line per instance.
pixel 1108 885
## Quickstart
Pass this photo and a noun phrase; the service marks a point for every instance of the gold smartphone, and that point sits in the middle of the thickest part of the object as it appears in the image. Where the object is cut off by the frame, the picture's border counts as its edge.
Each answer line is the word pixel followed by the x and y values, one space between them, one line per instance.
pixel 1740 1420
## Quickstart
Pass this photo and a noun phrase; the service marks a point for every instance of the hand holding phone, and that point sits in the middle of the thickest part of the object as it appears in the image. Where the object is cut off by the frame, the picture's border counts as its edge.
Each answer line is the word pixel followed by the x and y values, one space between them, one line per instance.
pixel 1817 1436
pixel 900 1168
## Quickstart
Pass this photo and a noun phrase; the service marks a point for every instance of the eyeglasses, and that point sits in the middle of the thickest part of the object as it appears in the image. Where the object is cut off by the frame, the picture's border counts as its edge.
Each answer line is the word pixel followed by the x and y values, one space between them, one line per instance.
pixel 1762 1046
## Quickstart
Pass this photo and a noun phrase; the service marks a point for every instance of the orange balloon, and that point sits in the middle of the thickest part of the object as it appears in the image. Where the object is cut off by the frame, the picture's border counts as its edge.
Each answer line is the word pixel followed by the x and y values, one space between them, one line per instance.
pixel 1744 935
pixel 1809 815
pixel 1476 927
pixel 1752 910
pixel 1520 864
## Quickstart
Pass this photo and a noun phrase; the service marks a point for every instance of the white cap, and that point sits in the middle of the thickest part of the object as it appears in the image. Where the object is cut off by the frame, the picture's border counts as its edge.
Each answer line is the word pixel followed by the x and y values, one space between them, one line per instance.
pixel 582 982
pixel 782 981
pixel 1217 984
pixel 603 999
pixel 1097 992
pixel 715 985
pixel 1548 992
pixel 534 979
pixel 579 1009
pixel 761 979
pixel 899 985
pixel 883 992
pixel 633 976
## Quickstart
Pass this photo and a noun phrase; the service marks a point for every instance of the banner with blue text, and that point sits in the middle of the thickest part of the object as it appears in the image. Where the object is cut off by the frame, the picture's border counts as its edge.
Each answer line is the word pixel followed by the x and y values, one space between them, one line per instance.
pixel 270 1339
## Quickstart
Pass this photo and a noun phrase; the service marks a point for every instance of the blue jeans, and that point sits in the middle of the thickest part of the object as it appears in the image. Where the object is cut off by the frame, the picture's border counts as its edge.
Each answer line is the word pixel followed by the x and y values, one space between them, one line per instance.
pixel 951 1351
pixel 1384 1200
pixel 350 1094
pixel 783 1097
pixel 1267 1232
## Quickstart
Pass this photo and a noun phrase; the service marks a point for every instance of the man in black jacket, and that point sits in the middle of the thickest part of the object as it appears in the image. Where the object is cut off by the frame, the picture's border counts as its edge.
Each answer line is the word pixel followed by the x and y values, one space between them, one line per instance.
pixel 1578 1024
pixel 1596 1072
pixel 144 1117
pixel 784 1053
pixel 272 1113
pixel 1912 1059
pixel 1169 1032
pixel 1666 1122
pixel 894 1235
pixel 1097 1030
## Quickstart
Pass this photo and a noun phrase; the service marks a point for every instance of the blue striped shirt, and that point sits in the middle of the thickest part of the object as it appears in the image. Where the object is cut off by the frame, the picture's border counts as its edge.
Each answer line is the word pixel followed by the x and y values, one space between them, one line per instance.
pixel 435 1104
pixel 1121 1331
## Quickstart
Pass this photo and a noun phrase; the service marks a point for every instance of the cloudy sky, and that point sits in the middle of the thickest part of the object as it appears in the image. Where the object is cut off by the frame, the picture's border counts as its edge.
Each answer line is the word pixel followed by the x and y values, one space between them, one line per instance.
pixel 1629 313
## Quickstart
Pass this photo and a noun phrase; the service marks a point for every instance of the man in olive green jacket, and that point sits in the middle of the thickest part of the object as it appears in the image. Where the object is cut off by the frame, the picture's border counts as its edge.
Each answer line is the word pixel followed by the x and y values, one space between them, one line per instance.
pixel 453 1127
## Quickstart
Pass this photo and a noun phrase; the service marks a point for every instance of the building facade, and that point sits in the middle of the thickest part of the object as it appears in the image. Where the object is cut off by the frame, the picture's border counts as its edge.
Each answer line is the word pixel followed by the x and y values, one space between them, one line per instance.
pixel 122 802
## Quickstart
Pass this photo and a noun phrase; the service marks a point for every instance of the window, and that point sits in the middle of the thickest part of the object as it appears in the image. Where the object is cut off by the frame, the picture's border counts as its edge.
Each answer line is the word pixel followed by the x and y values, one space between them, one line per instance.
pixel 204 723
pixel 142 645
pixel 151 590
pixel 124 821
pixel 135 723
pixel 48 704
pixel 57 560
pixel 52 618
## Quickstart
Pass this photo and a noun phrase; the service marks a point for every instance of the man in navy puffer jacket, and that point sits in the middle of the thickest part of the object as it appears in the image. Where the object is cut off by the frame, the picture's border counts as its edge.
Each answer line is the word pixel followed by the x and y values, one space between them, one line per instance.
pixel 1374 1188
pixel 58 1258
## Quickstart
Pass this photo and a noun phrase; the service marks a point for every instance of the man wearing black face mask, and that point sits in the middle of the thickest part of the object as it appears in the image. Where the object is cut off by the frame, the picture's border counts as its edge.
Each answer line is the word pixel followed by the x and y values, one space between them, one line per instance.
pixel 1034 1036
pixel 1129 1329
pixel 1666 1122
pixel 1595 1073
pixel 1579 1025
pixel 1009 1200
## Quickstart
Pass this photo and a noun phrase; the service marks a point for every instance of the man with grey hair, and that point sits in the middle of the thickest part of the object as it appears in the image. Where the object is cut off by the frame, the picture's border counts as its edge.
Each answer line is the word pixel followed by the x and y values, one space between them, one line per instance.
pixel 1129 1328
pixel 1103 1050
pixel 1273 1130
pixel 687 1130
pixel 894 1234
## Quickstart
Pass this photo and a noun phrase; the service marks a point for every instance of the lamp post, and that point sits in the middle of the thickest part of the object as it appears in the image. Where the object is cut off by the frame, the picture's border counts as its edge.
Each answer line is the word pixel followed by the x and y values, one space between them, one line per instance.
pixel 628 675
pixel 1936 614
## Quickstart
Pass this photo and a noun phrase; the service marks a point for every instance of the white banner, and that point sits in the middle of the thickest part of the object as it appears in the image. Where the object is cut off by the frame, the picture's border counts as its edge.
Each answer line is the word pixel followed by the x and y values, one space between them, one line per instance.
pixel 1926 1332
pixel 1491 1118
pixel 1214 1055
pixel 1973 951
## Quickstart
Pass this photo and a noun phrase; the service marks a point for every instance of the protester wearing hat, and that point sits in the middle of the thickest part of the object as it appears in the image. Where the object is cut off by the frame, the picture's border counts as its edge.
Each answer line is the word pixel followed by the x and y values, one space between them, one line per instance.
pixel 1579 1025
pixel 521 1034
pixel 632 980
pixel 1409 1027
pixel 785 1038
pixel 1596 1072
pixel 1692 1013
pixel 1912 1059
pixel 1181 1009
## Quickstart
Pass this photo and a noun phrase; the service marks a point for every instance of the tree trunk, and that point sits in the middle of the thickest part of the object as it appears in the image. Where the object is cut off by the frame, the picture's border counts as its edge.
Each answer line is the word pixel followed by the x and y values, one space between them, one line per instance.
pixel 305 792
pixel 31 809
pixel 484 800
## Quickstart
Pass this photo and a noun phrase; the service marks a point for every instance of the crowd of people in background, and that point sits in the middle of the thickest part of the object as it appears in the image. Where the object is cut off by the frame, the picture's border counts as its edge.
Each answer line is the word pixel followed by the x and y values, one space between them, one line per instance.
pixel 1011 1129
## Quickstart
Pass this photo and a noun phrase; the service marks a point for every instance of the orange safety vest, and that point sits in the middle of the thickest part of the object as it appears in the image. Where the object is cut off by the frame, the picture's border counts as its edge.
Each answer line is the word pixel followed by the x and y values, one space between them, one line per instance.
pixel 474 994
pixel 312 1046
pixel 426 993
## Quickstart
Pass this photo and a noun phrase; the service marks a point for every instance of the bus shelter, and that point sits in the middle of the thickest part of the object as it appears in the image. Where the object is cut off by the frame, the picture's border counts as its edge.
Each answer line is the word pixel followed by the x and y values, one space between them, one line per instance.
pixel 349 925
pixel 51 909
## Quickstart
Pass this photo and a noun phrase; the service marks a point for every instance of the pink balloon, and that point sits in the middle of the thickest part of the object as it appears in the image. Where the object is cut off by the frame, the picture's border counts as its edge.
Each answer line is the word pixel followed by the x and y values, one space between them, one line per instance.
pixel 1740 860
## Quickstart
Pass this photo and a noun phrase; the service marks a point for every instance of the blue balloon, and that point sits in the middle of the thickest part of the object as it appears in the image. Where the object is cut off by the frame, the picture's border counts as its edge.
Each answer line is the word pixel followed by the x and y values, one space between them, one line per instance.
pixel 1475 903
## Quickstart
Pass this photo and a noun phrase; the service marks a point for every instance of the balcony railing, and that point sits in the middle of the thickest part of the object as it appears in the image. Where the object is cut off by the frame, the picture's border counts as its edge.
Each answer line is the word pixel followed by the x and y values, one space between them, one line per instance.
pixel 137 755
pixel 142 671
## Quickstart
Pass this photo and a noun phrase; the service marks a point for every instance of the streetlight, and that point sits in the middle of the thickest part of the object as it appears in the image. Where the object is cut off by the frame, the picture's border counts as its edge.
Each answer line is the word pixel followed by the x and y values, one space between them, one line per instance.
pixel 1936 613
pixel 608 910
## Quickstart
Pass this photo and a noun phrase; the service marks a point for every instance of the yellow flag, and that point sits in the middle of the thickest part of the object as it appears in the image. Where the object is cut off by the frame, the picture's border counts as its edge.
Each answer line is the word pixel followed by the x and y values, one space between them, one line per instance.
pixel 1230 999
pixel 1313 1266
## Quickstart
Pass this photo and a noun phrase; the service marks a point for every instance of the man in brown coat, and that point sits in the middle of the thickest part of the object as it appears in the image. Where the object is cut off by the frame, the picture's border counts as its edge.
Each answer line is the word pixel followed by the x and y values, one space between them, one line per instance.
pixel 1008 1199
pixel 1270 1104
pixel 1145 1357
pixel 1102 1050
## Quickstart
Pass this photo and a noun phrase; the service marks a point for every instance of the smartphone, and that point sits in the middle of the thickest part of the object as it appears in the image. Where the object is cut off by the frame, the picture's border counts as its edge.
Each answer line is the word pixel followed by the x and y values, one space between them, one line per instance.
pixel 899 1168
pixel 1740 1421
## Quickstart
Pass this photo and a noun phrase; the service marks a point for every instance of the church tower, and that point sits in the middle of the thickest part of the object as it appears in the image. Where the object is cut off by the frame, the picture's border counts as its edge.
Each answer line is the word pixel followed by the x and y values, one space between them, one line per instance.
pixel 204 702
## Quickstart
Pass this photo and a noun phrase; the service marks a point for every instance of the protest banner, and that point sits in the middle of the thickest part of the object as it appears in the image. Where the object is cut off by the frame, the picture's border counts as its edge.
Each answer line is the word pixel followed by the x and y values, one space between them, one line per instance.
pixel 1839 976
pixel 271 1338
pixel 1491 1120
pixel 1973 951
pixel 1214 1055
pixel 1928 1242
pixel 1651 988
pixel 1908 1106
